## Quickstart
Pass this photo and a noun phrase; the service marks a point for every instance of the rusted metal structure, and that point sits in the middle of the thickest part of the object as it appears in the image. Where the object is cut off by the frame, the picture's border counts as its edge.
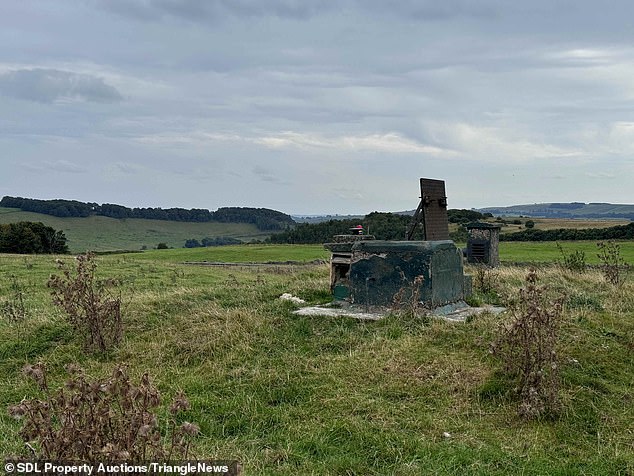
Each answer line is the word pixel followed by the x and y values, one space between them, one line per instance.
pixel 431 212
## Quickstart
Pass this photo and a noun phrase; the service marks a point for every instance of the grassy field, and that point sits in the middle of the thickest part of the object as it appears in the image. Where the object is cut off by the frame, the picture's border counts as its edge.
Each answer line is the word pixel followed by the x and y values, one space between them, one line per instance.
pixel 556 223
pixel 291 395
pixel 240 254
pixel 510 252
pixel 547 251
pixel 99 233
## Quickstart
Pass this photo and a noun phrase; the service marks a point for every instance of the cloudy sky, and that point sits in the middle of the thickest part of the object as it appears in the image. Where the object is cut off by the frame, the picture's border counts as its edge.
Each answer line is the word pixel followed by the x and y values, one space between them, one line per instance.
pixel 316 106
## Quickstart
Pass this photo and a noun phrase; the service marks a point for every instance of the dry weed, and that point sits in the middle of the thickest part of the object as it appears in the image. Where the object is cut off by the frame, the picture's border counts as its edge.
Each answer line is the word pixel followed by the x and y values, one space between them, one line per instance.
pixel 528 347
pixel 106 420
pixel 89 307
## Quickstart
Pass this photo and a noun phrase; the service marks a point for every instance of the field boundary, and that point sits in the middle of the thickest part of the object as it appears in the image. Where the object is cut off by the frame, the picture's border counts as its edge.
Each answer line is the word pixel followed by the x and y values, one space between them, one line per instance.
pixel 251 263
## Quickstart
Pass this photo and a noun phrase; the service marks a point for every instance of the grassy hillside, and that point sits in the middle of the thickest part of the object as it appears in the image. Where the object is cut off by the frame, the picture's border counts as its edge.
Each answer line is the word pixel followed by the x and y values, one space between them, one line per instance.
pixel 99 233
pixel 290 395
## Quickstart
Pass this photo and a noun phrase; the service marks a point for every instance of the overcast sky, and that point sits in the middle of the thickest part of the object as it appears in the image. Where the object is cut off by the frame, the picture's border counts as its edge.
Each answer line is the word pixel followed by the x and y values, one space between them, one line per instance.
pixel 318 106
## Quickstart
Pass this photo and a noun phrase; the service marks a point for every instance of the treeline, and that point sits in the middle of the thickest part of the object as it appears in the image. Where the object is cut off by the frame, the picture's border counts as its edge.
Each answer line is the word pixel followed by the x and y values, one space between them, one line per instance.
pixel 263 218
pixel 31 238
pixel 384 226
pixel 217 241
pixel 621 232
pixel 466 216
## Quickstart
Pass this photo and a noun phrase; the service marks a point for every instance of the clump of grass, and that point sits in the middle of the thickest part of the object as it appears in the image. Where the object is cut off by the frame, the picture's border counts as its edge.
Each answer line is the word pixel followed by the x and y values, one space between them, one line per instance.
pixel 107 420
pixel 13 309
pixel 485 286
pixel 484 279
pixel 528 347
pixel 584 301
pixel 91 310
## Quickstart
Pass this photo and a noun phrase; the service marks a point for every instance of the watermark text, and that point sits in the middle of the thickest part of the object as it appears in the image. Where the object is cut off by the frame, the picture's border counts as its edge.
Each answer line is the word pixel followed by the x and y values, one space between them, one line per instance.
pixel 185 468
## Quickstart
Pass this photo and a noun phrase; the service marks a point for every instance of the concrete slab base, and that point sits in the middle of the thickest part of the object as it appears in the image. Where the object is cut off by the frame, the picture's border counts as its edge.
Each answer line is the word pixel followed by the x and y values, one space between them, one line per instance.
pixel 456 312
pixel 348 311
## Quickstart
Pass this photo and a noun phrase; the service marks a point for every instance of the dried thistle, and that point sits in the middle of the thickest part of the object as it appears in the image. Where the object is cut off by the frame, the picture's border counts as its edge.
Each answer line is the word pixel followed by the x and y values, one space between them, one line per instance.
pixel 179 404
pixel 89 307
pixel 528 346
pixel 613 266
pixel 37 373
pixel 109 420
pixel 190 429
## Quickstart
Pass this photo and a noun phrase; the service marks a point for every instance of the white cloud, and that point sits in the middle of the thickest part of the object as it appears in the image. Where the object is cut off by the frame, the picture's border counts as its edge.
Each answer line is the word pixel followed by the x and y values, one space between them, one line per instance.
pixel 620 138
pixel 390 143
pixel 387 143
pixel 495 144
pixel 583 56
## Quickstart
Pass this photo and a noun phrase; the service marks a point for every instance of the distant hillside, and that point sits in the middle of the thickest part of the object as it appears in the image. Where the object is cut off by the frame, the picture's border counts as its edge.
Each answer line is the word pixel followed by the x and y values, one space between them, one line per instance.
pixel 262 218
pixel 565 210
pixel 99 233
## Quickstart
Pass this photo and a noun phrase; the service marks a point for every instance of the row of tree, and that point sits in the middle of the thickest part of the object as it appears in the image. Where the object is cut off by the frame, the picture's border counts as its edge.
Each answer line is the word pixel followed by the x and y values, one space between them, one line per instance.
pixel 217 241
pixel 263 218
pixel 621 232
pixel 466 216
pixel 31 238
pixel 384 226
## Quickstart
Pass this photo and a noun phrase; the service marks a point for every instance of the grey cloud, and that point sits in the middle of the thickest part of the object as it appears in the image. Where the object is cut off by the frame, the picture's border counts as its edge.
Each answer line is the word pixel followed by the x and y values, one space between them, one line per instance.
pixel 63 166
pixel 298 9
pixel 205 10
pixel 498 15
pixel 267 175
pixel 212 10
pixel 432 10
pixel 291 90
pixel 135 9
pixel 50 85
pixel 122 168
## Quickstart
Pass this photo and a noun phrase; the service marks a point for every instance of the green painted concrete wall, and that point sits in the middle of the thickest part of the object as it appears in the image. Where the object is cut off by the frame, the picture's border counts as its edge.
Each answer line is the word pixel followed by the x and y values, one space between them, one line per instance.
pixel 380 269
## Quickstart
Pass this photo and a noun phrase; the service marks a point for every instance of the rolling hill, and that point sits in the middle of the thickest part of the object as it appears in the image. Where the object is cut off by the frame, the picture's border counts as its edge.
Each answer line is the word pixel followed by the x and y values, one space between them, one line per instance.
pixel 99 233
pixel 566 210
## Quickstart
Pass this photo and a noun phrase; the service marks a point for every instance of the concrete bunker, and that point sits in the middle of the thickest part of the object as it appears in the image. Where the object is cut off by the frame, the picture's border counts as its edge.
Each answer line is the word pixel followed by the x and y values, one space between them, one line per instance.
pixel 371 272
pixel 375 271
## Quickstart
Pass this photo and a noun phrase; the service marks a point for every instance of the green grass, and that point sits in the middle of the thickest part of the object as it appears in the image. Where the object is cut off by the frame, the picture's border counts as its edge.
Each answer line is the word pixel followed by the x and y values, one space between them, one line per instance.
pixel 546 251
pixel 510 252
pixel 241 254
pixel 99 233
pixel 291 395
